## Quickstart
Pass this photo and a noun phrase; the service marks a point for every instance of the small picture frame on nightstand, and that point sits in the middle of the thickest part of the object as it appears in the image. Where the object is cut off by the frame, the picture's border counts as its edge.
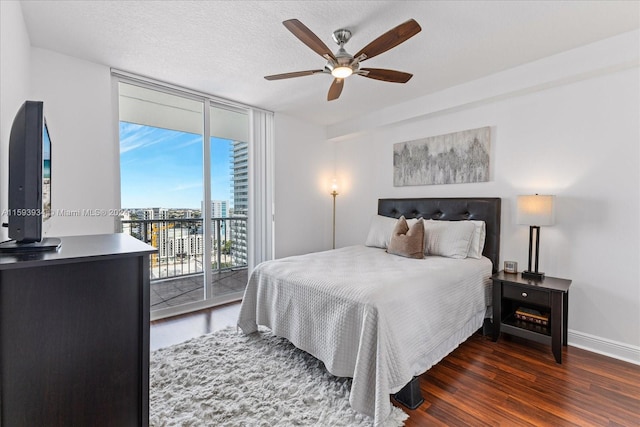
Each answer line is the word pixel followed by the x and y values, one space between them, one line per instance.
pixel 510 267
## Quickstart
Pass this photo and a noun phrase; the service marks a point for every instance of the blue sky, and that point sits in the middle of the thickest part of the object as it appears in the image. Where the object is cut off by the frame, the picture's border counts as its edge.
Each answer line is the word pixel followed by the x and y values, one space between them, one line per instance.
pixel 163 168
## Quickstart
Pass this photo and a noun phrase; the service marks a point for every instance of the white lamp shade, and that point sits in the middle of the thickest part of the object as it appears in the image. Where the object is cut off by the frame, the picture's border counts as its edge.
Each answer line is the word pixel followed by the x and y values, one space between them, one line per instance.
pixel 536 210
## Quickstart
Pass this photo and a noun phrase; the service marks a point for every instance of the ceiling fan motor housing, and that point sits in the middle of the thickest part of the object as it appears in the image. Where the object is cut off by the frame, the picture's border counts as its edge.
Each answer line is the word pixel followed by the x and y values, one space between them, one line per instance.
pixel 343 58
pixel 341 36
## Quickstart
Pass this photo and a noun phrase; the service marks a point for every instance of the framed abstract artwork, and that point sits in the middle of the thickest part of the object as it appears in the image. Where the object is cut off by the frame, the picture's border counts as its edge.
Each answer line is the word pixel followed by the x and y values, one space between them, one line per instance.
pixel 454 158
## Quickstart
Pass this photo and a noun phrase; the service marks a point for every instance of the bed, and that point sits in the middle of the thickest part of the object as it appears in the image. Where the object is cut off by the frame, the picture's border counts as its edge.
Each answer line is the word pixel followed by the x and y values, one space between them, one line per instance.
pixel 378 318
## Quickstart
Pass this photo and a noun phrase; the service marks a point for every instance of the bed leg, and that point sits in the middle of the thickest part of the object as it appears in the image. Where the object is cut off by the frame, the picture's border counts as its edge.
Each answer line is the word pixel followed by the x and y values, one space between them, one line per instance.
pixel 410 395
pixel 487 327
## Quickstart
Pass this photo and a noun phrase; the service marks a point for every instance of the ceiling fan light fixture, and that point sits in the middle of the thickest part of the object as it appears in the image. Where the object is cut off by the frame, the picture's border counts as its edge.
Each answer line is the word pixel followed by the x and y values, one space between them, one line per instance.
pixel 341 72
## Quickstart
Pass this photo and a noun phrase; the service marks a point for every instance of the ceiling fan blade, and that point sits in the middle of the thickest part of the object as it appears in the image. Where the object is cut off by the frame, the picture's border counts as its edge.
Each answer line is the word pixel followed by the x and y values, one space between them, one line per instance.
pixel 307 37
pixel 294 74
pixel 335 90
pixel 386 75
pixel 390 39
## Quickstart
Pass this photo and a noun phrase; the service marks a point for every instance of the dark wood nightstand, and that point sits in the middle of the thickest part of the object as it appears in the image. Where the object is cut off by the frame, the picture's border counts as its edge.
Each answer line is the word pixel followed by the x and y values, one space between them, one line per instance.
pixel 549 295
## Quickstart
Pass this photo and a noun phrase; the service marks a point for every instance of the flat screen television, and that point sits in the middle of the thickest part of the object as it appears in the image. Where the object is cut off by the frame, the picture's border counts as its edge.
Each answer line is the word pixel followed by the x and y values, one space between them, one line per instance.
pixel 29 181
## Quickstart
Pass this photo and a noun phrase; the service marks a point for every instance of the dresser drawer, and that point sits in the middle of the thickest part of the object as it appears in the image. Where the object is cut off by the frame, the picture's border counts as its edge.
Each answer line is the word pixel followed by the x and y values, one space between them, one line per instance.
pixel 533 296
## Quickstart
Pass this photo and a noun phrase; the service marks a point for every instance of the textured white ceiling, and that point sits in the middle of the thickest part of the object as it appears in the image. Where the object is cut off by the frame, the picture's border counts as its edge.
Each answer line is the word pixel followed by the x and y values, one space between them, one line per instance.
pixel 226 47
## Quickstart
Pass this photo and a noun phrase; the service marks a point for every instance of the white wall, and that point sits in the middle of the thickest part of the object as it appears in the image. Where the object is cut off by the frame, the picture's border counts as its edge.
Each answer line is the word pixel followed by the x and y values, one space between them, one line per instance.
pixel 77 98
pixel 78 107
pixel 576 138
pixel 303 172
pixel 15 52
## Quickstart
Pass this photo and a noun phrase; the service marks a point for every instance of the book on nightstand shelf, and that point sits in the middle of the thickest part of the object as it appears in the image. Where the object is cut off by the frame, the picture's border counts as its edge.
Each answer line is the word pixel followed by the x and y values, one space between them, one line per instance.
pixel 531 315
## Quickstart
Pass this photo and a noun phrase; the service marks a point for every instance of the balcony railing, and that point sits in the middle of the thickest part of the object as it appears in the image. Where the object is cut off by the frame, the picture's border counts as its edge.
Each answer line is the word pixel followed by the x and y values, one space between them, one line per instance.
pixel 180 244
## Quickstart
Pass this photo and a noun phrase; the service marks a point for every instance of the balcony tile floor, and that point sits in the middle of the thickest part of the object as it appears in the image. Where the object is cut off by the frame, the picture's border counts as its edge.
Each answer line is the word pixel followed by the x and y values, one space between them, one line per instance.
pixel 181 290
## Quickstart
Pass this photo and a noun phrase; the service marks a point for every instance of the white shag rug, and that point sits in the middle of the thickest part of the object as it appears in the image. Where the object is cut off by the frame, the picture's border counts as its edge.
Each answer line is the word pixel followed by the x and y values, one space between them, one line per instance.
pixel 230 379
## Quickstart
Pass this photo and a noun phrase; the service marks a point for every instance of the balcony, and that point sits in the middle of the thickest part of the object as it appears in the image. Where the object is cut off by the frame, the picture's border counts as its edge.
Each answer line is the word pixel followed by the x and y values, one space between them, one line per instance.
pixel 176 271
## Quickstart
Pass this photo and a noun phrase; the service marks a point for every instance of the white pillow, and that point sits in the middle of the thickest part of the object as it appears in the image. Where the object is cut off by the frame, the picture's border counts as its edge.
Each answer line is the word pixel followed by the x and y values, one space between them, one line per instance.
pixel 381 229
pixel 479 235
pixel 450 239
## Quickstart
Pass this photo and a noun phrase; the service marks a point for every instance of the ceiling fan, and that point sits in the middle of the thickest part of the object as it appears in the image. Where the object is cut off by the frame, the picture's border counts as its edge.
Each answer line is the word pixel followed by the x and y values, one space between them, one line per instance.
pixel 342 64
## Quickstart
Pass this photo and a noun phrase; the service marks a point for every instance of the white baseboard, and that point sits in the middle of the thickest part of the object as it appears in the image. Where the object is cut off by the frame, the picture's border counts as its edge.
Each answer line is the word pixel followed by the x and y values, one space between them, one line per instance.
pixel 615 349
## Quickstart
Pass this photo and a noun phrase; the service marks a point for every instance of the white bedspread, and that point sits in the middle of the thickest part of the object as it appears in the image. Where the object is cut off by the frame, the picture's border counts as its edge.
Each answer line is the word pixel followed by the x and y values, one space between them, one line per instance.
pixel 380 319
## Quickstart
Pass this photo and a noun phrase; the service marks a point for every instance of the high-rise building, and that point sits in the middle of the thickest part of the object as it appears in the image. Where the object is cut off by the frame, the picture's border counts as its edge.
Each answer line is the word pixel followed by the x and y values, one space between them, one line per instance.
pixel 157 231
pixel 155 213
pixel 240 182
pixel 219 208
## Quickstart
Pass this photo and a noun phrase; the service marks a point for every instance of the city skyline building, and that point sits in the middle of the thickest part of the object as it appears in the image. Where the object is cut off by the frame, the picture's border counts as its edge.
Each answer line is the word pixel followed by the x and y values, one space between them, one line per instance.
pixel 240 183
pixel 155 213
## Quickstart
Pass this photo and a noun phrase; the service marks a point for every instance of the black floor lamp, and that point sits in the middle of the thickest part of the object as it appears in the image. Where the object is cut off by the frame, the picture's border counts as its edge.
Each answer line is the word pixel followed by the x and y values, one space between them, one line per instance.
pixel 535 211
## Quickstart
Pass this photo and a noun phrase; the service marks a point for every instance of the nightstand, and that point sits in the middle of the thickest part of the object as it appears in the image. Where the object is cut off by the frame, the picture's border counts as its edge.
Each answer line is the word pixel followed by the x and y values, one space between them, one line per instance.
pixel 549 295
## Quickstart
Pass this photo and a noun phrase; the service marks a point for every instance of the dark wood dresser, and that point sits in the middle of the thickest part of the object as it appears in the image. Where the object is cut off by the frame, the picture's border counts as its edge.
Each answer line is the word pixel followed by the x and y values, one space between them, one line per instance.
pixel 74 334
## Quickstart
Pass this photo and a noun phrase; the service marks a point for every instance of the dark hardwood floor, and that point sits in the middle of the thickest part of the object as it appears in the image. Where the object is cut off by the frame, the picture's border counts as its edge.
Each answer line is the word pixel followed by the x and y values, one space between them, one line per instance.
pixel 512 382
pixel 515 382
pixel 174 330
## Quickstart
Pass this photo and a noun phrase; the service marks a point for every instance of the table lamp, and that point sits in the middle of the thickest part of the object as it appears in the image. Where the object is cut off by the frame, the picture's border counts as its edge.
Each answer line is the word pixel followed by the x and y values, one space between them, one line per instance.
pixel 535 211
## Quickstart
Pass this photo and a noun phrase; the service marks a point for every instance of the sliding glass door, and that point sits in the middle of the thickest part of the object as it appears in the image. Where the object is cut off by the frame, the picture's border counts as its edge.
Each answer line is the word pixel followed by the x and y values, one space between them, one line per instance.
pixel 185 197
pixel 229 190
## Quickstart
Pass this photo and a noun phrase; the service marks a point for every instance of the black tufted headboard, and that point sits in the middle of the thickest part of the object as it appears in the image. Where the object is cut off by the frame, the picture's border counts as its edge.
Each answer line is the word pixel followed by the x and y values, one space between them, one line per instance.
pixel 452 209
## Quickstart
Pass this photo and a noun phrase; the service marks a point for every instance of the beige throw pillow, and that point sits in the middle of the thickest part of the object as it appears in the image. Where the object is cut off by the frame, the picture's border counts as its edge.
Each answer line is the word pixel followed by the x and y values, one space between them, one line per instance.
pixel 407 242
pixel 381 229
